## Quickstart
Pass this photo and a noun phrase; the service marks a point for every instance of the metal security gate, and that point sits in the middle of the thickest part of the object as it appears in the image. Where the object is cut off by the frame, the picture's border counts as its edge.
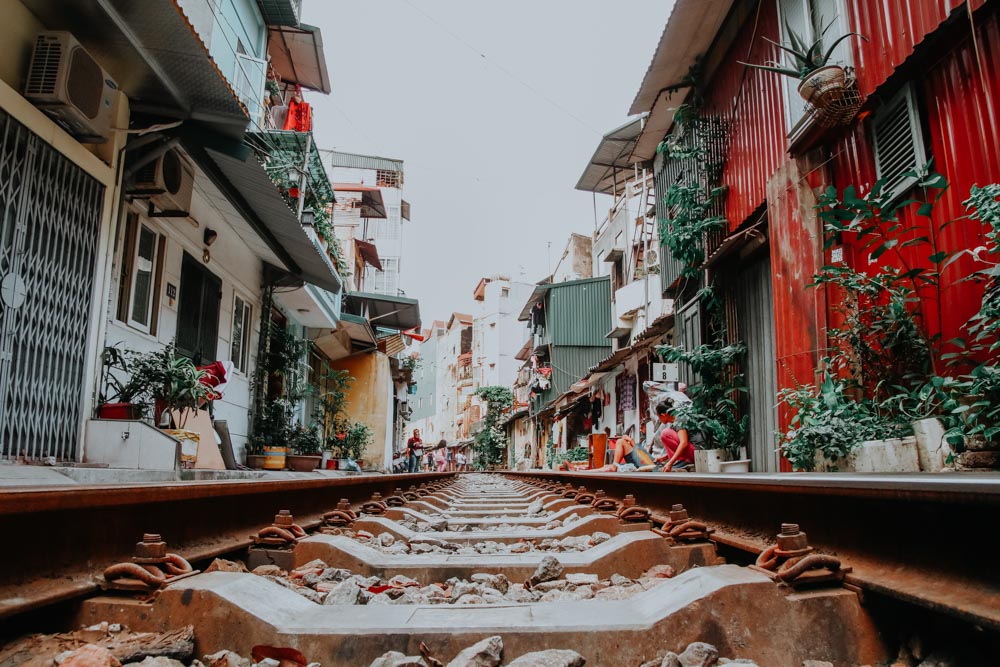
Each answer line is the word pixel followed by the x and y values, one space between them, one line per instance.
pixel 755 317
pixel 49 223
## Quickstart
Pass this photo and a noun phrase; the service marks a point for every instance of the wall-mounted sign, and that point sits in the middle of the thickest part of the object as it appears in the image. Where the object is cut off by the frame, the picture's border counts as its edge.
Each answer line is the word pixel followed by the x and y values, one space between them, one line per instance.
pixel 666 373
pixel 171 291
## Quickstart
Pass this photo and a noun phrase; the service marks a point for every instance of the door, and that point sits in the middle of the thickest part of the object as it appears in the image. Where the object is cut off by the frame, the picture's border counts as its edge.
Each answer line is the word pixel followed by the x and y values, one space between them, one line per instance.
pixel 198 312
pixel 755 319
pixel 50 213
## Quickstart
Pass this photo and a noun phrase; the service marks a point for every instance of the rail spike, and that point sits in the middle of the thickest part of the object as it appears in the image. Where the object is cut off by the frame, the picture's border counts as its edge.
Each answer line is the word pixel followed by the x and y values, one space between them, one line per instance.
pixel 792 562
pixel 150 569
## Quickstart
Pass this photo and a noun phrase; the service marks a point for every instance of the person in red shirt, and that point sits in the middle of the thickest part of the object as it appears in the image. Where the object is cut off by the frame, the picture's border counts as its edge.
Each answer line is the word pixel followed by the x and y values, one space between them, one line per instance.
pixel 414 451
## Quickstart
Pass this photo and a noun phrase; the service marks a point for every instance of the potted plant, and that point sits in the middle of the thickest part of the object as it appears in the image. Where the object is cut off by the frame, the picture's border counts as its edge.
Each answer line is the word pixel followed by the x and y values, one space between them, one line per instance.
pixel 274 93
pixel 306 446
pixel 577 458
pixel 821 82
pixel 174 383
pixel 119 396
pixel 350 443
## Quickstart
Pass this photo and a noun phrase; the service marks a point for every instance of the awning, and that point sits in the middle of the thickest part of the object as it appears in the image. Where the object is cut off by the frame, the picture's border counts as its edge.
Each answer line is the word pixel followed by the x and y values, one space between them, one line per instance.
pixel 353 334
pixel 285 150
pixel 381 310
pixel 372 204
pixel 690 31
pixel 245 183
pixel 525 352
pixel 404 207
pixel 153 53
pixel 536 296
pixel 611 165
pixel 369 253
pixel 297 56
pixel 280 12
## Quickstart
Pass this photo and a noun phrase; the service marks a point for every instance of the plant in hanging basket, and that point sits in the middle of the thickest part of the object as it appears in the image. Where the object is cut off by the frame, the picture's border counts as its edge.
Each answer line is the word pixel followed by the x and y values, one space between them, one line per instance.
pixel 822 82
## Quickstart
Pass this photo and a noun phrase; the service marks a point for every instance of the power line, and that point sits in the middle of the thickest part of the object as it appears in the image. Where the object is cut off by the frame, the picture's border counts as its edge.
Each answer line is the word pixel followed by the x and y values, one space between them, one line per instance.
pixel 500 67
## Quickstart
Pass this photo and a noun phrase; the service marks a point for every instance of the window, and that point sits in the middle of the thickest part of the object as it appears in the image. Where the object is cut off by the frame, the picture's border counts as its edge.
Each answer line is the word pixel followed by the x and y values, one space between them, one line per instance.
pixel 242 330
pixel 808 19
pixel 385 178
pixel 198 311
pixel 899 142
pixel 386 281
pixel 387 230
pixel 141 275
pixel 504 292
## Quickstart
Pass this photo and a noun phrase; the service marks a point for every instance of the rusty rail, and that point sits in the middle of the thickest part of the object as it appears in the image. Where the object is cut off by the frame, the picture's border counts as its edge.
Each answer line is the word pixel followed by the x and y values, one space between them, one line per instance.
pixel 921 539
pixel 58 539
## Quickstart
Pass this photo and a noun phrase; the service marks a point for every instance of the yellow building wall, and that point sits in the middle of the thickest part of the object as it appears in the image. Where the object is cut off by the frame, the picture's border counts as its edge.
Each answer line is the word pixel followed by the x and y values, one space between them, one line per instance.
pixel 369 400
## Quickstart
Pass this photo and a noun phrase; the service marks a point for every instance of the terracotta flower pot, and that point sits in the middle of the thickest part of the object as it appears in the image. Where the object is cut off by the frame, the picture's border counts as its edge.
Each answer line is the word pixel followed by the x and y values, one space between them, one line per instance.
pixel 824 86
pixel 302 462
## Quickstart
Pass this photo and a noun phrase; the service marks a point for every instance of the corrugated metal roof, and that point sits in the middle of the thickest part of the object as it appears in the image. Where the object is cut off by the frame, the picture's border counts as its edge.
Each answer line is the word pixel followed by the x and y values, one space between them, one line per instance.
pixel 611 164
pixel 690 31
pixel 579 313
pixel 280 12
pixel 355 161
pixel 246 181
pixel 297 56
pixel 570 364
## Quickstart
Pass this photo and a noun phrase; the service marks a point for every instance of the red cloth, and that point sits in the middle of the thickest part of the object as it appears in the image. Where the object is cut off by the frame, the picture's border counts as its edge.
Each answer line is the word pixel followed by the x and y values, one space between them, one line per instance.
pixel 299 117
pixel 215 374
pixel 671 441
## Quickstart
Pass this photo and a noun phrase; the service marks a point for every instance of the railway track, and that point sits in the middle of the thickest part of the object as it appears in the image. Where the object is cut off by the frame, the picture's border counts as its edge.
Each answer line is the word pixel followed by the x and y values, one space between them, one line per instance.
pixel 619 568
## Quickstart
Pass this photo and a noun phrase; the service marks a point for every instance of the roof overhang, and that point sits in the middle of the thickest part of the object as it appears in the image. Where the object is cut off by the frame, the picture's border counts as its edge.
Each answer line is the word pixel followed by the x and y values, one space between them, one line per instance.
pixel 690 32
pixel 280 12
pixel 286 150
pixel 297 56
pixel 611 165
pixel 153 53
pixel 238 175
pixel 369 253
pixel 352 335
pixel 381 310
pixel 536 295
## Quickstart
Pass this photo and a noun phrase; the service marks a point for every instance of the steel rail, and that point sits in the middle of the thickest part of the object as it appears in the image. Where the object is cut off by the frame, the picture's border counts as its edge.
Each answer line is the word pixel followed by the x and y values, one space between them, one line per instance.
pixel 921 539
pixel 58 539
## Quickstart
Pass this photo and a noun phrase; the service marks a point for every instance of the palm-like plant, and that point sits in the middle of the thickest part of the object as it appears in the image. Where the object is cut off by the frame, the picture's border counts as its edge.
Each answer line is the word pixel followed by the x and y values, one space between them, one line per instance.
pixel 807 58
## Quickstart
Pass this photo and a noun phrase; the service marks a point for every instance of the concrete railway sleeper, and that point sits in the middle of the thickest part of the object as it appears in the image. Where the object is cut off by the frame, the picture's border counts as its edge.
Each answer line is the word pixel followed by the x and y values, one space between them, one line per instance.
pixel 472 570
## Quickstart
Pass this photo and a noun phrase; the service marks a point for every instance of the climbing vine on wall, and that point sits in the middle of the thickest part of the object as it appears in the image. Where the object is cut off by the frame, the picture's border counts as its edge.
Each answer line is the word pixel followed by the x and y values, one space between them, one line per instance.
pixel 491 442
pixel 693 201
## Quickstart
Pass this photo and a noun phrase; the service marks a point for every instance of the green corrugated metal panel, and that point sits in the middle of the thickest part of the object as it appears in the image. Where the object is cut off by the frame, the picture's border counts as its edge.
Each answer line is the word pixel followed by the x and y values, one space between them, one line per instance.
pixel 569 364
pixel 579 312
pixel 281 12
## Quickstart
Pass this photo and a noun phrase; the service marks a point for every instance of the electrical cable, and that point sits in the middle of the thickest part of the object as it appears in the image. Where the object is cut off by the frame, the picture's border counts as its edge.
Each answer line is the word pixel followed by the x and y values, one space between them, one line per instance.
pixel 500 67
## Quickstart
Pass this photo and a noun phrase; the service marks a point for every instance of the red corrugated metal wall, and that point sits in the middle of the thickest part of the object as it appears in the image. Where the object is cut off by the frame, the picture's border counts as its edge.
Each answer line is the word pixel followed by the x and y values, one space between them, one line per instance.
pixel 757 144
pixel 961 105
pixel 893 29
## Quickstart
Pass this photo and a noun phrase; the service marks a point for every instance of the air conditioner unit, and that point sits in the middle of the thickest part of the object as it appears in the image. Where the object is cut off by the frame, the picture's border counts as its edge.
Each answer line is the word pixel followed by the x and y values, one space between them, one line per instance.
pixel 65 82
pixel 168 181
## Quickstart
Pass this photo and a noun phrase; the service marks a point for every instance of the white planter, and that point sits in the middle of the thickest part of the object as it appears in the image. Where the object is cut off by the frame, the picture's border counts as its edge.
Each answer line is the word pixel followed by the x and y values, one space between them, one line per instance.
pixel 892 455
pixel 740 465
pixel 709 460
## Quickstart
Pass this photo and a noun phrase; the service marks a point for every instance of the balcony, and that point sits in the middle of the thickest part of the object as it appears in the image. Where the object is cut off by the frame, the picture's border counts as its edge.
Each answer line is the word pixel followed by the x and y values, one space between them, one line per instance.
pixel 281 12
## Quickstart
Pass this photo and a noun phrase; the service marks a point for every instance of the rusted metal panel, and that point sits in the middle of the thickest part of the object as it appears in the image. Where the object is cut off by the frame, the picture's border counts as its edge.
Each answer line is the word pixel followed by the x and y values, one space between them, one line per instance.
pixel 76 532
pixel 960 103
pixel 751 101
pixel 893 30
pixel 893 562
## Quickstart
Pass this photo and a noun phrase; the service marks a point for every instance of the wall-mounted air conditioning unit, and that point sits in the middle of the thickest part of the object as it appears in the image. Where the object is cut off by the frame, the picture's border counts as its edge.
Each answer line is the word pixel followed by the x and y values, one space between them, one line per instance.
pixel 168 181
pixel 67 83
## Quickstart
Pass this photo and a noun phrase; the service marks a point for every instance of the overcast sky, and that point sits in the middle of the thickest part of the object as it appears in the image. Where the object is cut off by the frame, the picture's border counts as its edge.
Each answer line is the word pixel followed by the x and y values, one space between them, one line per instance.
pixel 495 108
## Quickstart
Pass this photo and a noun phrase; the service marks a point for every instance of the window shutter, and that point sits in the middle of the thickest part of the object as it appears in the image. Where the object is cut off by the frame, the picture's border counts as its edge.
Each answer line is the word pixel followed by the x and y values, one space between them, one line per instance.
pixel 899 142
pixel 128 257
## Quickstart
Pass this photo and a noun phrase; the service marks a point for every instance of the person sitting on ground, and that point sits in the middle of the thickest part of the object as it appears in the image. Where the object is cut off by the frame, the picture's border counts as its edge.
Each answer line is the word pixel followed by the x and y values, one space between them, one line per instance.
pixel 626 453
pixel 673 447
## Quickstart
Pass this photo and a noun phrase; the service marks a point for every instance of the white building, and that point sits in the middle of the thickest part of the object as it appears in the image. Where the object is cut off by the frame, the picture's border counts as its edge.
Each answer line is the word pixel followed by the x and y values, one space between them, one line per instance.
pixel 382 228
pixel 497 335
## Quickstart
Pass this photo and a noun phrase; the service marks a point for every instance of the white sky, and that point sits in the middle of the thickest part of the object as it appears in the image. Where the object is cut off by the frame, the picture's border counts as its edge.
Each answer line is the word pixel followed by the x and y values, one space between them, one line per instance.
pixel 495 108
